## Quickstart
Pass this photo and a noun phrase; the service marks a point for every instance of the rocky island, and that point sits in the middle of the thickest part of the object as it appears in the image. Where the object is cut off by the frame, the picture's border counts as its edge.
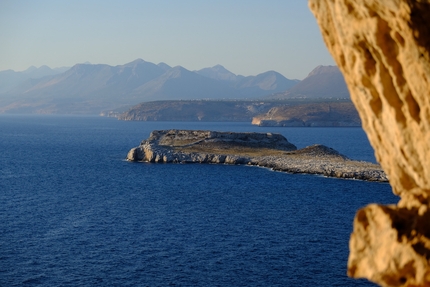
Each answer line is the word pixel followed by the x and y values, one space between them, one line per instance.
pixel 258 149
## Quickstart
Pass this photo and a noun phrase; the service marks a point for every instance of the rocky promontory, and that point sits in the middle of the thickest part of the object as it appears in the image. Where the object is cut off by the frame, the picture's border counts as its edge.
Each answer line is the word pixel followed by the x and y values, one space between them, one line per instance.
pixel 317 114
pixel 259 149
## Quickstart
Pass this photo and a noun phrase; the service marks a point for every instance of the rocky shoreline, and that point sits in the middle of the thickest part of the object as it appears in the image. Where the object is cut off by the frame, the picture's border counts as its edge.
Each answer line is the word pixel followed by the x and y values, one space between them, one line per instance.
pixel 258 149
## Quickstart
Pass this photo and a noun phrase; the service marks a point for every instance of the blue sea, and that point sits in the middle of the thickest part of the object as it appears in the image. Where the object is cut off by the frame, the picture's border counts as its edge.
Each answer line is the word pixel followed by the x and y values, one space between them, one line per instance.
pixel 75 213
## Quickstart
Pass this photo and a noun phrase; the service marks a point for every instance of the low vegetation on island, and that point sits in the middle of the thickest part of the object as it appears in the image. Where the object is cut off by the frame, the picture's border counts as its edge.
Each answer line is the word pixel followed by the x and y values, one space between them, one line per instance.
pixel 311 114
pixel 257 149
pixel 292 112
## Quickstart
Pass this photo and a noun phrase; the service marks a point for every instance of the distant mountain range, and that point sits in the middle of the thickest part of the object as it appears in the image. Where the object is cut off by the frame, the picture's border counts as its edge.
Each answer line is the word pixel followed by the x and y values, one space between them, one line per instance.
pixel 322 82
pixel 91 89
pixel 10 79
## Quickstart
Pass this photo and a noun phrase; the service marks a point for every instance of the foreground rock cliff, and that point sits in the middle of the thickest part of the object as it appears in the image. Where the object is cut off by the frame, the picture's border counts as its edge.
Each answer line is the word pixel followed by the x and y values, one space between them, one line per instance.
pixel 260 149
pixel 383 50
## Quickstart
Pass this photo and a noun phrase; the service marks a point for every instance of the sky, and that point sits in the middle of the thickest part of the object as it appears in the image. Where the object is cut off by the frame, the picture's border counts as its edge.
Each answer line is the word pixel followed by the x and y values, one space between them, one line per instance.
pixel 247 37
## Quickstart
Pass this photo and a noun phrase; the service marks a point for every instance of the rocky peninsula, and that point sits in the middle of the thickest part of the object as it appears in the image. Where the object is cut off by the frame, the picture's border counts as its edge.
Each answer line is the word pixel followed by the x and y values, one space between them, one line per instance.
pixel 268 150
pixel 316 114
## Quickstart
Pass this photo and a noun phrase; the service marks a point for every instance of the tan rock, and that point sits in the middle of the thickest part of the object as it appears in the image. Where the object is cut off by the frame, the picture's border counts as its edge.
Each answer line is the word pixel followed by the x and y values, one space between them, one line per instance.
pixel 131 155
pixel 390 246
pixel 383 49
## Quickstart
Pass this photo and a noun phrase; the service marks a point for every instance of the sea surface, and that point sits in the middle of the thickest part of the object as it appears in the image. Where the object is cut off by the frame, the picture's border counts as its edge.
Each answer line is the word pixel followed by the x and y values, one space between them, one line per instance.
pixel 73 212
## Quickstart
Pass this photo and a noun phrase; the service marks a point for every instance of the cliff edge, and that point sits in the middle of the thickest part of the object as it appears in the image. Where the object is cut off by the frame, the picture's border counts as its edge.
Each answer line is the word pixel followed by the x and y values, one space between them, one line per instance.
pixel 383 50
pixel 328 114
pixel 259 149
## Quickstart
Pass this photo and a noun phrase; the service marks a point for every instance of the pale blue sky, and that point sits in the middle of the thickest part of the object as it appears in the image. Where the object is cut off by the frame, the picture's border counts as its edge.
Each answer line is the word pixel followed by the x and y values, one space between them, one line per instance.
pixel 245 36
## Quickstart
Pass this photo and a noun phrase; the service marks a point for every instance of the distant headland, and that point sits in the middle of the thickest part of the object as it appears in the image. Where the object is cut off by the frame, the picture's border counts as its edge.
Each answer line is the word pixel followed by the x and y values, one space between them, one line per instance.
pixel 269 150
pixel 284 113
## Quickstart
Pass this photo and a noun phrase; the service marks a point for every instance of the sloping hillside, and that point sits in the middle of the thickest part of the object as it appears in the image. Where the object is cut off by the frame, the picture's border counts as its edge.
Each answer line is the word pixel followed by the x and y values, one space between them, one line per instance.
pixel 10 79
pixel 263 113
pixel 322 82
pixel 207 111
pixel 271 82
pixel 310 114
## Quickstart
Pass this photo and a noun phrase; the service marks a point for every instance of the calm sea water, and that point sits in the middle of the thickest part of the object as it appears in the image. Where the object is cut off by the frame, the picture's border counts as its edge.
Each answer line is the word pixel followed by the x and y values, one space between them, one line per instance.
pixel 74 213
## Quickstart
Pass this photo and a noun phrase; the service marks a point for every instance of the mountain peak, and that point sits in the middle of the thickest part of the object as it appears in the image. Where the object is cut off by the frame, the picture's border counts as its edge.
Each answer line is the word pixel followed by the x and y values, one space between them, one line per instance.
pixel 217 72
pixel 176 71
pixel 44 68
pixel 137 61
pixel 269 81
pixel 219 67
pixel 322 82
pixel 30 69
pixel 164 66
pixel 323 70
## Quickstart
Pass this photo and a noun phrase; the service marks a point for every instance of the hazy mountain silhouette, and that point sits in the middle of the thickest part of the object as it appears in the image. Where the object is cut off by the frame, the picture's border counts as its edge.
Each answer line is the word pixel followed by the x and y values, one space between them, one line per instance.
pixel 264 83
pixel 164 66
pixel 93 81
pixel 322 82
pixel 251 86
pixel 218 72
pixel 180 83
pixel 90 88
pixel 93 88
pixel 10 79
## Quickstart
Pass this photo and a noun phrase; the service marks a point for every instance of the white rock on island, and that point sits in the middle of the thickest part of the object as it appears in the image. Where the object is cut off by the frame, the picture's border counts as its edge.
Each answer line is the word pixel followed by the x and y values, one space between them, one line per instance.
pixel 259 149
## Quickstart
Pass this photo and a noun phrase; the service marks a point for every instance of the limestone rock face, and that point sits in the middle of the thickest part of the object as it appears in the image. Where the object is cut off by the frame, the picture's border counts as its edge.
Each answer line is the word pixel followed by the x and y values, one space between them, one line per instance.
pixel 383 50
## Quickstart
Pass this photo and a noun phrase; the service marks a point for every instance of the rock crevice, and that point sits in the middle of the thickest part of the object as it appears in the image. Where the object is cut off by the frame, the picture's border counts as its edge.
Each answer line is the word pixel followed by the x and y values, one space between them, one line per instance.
pixel 382 48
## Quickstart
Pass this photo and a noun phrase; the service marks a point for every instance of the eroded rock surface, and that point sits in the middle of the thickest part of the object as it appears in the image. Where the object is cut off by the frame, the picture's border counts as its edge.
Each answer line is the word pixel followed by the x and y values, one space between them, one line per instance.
pixel 260 149
pixel 382 48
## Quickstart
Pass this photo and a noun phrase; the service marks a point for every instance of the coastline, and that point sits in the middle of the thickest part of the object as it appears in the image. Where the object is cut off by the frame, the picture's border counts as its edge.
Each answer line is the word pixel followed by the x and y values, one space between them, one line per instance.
pixel 255 149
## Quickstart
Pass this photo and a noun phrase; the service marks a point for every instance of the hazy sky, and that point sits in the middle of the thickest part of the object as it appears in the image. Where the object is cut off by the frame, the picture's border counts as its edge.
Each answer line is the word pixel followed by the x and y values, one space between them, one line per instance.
pixel 247 37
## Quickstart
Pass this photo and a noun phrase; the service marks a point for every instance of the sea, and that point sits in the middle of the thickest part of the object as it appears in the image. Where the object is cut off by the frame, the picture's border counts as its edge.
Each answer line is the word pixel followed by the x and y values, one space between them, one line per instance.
pixel 73 212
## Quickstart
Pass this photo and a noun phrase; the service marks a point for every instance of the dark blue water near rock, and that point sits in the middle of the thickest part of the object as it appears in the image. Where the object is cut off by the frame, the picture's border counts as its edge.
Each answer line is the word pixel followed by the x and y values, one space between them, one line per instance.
pixel 74 213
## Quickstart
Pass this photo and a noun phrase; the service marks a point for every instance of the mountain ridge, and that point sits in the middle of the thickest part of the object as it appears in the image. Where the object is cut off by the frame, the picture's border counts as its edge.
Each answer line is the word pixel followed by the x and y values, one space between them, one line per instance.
pixel 10 78
pixel 321 82
pixel 93 88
